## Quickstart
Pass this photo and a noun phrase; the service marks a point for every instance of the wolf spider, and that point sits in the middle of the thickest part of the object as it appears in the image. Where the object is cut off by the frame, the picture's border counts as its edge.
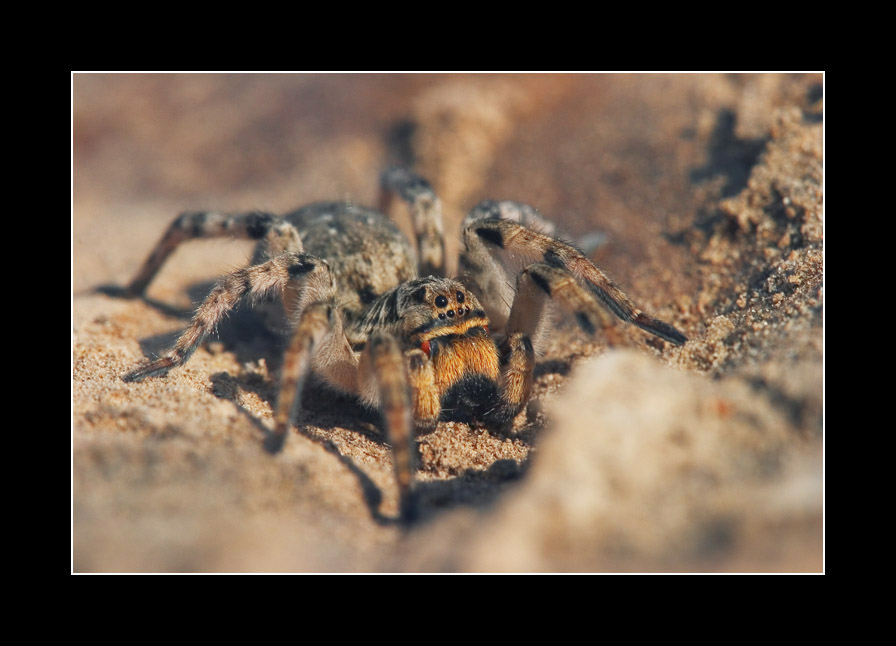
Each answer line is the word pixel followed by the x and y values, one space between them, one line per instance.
pixel 416 345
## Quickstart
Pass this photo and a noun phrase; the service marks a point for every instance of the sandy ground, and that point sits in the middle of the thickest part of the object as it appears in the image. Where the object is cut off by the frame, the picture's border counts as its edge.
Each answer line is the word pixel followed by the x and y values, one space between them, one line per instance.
pixel 633 455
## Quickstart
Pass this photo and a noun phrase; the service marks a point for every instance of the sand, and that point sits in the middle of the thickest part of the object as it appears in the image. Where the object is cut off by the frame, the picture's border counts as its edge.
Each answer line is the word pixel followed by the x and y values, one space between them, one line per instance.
pixel 706 192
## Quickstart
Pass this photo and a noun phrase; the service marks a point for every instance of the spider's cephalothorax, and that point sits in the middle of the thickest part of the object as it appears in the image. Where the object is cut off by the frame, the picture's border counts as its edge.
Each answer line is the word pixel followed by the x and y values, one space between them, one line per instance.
pixel 421 348
pixel 442 319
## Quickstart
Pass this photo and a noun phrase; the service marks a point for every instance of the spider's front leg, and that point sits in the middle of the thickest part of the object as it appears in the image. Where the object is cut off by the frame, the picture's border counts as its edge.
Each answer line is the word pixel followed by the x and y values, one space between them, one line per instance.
pixel 548 270
pixel 318 345
pixel 536 284
pixel 293 275
pixel 486 239
pixel 399 385
pixel 386 376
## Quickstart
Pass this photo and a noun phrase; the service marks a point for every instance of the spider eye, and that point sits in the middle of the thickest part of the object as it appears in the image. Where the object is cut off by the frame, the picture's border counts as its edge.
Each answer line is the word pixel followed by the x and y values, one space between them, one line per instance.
pixel 460 297
pixel 441 301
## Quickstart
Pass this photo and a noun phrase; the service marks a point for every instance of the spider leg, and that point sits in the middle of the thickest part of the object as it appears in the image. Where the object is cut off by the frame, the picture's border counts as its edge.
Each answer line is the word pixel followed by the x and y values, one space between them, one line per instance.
pixel 518 212
pixel 479 264
pixel 318 345
pixel 384 379
pixel 540 282
pixel 288 274
pixel 279 237
pixel 380 379
pixel 485 238
pixel 536 285
pixel 486 277
pixel 426 210
pixel 515 380
pixel 427 405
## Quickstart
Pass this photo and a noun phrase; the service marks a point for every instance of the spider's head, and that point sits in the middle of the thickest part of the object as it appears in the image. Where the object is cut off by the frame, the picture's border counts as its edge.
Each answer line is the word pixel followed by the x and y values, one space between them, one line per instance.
pixel 445 320
pixel 436 308
pixel 442 318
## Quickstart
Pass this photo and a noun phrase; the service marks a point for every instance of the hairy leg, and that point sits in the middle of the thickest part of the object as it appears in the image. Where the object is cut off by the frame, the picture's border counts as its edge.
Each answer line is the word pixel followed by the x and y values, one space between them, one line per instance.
pixel 318 345
pixel 426 211
pixel 209 224
pixel 298 277
pixel 384 379
pixel 490 238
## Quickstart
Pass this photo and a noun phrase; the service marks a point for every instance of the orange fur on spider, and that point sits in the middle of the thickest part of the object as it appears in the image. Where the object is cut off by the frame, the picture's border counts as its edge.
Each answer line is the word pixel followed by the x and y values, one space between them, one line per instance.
pixel 473 354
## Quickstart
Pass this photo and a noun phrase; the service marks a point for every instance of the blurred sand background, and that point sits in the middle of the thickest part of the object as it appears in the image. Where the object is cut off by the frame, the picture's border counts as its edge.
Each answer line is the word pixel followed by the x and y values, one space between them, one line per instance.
pixel 707 191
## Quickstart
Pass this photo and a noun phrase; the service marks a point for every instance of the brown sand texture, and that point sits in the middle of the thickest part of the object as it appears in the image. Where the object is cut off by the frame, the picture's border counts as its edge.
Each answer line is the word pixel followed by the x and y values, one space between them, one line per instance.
pixel 706 191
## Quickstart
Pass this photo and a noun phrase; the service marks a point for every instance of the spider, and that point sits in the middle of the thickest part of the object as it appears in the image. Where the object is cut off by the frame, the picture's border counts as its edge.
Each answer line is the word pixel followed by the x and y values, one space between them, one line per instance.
pixel 377 318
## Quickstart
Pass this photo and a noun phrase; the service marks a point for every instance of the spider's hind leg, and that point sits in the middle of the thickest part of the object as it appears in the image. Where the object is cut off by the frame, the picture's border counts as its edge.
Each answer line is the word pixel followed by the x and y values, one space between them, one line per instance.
pixel 278 237
pixel 426 211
